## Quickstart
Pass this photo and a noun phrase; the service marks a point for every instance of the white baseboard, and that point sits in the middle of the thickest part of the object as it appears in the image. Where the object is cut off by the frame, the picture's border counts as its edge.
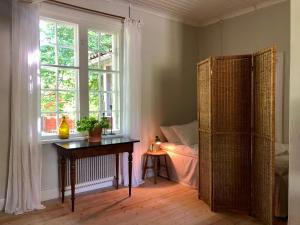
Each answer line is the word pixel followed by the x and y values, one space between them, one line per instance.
pixel 2 202
pixel 55 193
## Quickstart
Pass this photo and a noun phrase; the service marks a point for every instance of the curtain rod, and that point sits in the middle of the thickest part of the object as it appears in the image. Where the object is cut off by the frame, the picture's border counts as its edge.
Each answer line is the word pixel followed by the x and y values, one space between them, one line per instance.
pixel 79 8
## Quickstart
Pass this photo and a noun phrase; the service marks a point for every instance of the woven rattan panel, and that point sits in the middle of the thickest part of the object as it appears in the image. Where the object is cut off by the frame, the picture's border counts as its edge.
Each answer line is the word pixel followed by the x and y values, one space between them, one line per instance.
pixel 204 115
pixel 263 135
pixel 231 132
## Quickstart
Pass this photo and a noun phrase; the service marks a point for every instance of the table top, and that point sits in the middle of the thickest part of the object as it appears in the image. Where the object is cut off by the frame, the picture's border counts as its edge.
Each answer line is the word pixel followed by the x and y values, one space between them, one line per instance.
pixel 85 144
pixel 158 152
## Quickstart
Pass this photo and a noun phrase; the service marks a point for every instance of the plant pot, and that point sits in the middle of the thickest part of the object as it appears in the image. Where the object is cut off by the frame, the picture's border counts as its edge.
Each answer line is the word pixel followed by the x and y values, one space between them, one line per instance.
pixel 95 135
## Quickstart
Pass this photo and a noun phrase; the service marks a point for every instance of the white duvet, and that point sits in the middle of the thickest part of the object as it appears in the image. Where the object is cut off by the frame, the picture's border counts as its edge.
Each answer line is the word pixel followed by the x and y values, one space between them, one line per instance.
pixel 182 163
pixel 281 180
pixel 181 149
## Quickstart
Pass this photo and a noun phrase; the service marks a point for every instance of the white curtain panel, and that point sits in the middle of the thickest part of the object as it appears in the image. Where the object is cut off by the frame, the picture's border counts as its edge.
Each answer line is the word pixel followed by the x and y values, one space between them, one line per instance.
pixel 132 98
pixel 24 178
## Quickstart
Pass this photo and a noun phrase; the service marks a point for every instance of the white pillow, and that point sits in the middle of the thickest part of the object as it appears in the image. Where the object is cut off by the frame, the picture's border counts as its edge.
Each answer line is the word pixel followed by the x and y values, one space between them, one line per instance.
pixel 170 135
pixel 187 133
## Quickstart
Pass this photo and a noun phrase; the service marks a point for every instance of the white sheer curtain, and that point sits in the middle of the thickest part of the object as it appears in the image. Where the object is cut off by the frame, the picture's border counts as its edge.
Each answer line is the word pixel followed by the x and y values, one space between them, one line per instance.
pixel 132 98
pixel 24 178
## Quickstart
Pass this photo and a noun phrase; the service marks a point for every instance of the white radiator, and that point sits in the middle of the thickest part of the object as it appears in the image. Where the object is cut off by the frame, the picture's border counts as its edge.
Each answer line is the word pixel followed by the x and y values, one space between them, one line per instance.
pixel 92 171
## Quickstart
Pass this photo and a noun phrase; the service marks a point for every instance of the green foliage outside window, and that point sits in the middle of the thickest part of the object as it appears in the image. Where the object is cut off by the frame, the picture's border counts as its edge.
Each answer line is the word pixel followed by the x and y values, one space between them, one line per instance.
pixel 99 42
pixel 58 85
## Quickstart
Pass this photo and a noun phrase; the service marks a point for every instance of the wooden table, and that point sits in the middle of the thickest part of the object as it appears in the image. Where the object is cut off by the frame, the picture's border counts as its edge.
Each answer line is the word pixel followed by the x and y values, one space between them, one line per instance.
pixel 74 150
pixel 156 163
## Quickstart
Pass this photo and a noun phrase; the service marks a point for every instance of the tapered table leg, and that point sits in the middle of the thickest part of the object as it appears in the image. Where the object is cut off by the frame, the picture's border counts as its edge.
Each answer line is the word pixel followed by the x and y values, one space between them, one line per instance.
pixel 62 176
pixel 130 171
pixel 117 171
pixel 166 165
pixel 73 181
pixel 145 167
pixel 155 162
pixel 158 166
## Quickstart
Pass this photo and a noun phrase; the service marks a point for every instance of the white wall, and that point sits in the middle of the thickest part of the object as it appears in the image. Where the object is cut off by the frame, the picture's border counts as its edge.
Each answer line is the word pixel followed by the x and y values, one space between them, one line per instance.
pixel 248 33
pixel 294 170
pixel 169 57
pixel 5 26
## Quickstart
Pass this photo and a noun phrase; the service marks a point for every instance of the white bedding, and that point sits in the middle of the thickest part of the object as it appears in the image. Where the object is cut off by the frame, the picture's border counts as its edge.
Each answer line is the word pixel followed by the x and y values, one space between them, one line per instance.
pixel 281 184
pixel 181 149
pixel 182 163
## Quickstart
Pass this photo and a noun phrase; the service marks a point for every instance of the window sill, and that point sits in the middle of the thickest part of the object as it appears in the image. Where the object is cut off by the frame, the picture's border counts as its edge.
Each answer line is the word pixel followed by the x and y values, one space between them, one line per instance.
pixel 80 138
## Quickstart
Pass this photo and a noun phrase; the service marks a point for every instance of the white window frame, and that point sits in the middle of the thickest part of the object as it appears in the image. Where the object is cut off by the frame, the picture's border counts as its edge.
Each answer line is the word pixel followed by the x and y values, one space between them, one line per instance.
pixel 86 21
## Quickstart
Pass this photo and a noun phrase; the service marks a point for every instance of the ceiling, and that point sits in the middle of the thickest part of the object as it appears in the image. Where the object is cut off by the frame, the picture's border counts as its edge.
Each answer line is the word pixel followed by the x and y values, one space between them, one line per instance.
pixel 201 12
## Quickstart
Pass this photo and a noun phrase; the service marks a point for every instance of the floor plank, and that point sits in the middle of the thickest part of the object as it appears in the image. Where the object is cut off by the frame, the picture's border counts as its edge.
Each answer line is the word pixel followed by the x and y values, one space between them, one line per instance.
pixel 166 203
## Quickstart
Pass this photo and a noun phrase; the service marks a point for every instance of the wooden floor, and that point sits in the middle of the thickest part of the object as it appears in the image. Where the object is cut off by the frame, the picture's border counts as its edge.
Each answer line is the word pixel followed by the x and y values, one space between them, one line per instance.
pixel 165 203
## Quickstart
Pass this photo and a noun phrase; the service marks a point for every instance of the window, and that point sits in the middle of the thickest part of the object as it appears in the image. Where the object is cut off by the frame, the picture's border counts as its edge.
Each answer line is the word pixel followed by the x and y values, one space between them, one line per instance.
pixel 59 74
pixel 104 95
pixel 63 65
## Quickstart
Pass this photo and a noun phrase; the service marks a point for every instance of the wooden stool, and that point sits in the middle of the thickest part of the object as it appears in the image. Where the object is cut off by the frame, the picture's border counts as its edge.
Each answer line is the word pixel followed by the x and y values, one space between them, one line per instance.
pixel 156 163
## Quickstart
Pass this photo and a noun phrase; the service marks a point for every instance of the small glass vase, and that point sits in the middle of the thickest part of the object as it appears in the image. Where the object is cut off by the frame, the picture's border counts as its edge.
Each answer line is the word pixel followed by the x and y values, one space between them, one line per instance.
pixel 64 131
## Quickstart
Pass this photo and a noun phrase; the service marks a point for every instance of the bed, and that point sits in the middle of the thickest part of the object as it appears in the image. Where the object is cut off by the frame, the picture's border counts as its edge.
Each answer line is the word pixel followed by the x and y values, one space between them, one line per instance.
pixel 281 180
pixel 183 163
pixel 183 167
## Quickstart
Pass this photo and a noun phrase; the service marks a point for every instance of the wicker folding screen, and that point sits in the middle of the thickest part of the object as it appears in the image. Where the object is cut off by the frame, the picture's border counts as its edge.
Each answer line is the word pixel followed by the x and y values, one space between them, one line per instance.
pixel 231 131
pixel 263 154
pixel 225 131
pixel 204 124
pixel 228 177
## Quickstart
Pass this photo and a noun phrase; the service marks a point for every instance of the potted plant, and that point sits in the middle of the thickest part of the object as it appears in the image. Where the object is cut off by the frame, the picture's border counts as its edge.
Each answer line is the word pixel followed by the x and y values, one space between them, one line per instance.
pixel 93 127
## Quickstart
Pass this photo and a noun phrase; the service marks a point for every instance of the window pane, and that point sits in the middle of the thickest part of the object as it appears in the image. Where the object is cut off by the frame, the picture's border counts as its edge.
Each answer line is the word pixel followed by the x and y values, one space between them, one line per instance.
pixel 67 79
pixel 116 120
pixel 93 40
pixel 105 43
pixel 110 81
pixel 47 32
pixel 94 114
pixel 94 81
pixel 93 101
pixel 65 35
pixel 100 50
pixel 110 101
pixel 71 120
pixel 65 56
pixel 48 101
pixel 102 102
pixel 93 58
pixel 101 61
pixel 48 123
pixel 100 41
pixel 107 101
pixel 105 62
pixel 67 101
pixel 47 54
pixel 48 78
